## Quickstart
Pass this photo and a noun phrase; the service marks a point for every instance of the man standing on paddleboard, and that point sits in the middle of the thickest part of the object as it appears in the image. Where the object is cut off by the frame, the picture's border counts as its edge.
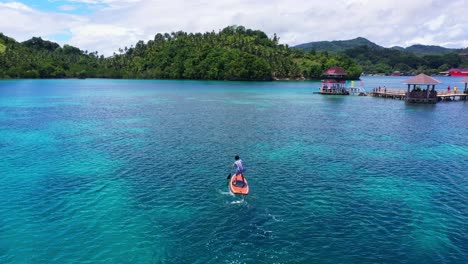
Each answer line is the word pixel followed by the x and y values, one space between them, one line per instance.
pixel 239 167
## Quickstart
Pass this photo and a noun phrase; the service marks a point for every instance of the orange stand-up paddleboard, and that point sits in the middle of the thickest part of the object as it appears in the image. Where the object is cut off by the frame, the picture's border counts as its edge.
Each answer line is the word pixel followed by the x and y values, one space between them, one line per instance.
pixel 238 186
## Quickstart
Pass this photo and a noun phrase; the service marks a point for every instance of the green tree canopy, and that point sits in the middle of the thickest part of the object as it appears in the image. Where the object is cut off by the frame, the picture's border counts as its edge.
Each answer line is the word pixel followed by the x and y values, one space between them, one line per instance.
pixel 233 53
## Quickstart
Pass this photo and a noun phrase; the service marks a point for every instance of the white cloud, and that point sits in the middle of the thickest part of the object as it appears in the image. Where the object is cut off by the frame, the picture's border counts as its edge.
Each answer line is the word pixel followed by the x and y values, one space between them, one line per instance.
pixel 16 6
pixel 68 7
pixel 92 37
pixel 119 23
pixel 104 1
pixel 22 22
pixel 436 24
pixel 108 4
pixel 85 1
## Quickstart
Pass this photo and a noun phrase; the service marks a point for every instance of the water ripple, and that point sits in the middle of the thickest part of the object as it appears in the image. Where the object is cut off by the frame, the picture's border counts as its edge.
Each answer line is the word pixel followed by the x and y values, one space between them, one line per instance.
pixel 136 173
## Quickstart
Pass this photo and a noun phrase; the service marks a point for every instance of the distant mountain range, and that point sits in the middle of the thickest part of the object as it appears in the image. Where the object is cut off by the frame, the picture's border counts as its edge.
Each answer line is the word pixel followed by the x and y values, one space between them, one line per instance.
pixel 343 45
pixel 336 45
pixel 427 49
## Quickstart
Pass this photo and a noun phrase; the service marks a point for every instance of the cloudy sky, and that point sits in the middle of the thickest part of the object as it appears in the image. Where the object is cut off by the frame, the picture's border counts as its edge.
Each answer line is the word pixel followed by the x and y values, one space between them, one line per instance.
pixel 107 25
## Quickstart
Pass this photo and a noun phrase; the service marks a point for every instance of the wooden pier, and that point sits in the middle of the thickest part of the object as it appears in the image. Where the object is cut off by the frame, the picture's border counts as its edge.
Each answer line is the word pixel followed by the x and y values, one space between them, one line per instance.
pixel 452 96
pixel 389 93
pixel 400 94
pixel 423 91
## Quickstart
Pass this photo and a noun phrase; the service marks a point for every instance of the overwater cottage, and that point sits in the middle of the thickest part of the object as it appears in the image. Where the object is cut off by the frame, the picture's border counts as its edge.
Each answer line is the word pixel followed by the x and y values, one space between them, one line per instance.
pixel 456 72
pixel 334 82
pixel 423 89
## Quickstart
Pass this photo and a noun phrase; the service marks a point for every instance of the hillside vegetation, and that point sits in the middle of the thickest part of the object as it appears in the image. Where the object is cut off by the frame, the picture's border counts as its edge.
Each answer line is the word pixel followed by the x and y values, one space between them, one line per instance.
pixel 336 45
pixel 375 59
pixel 343 45
pixel 422 50
pixel 38 58
pixel 234 53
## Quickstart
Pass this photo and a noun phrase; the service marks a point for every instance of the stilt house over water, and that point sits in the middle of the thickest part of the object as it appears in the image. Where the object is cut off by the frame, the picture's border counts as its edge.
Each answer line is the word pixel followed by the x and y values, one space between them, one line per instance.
pixel 422 91
pixel 334 82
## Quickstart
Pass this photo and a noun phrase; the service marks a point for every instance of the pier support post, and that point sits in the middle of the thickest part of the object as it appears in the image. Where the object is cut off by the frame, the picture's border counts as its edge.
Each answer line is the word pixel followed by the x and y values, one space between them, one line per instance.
pixel 408 93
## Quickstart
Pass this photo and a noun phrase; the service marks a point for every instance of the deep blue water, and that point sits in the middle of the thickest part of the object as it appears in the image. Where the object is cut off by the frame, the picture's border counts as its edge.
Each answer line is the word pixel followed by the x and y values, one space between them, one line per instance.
pixel 117 171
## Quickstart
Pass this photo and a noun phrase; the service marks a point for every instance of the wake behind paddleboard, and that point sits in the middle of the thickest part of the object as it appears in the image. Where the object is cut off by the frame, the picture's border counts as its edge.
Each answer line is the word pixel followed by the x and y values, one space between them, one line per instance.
pixel 238 186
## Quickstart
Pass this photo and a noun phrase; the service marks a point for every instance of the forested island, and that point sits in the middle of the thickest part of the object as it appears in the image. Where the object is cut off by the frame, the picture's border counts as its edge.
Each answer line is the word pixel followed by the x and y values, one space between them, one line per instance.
pixel 233 53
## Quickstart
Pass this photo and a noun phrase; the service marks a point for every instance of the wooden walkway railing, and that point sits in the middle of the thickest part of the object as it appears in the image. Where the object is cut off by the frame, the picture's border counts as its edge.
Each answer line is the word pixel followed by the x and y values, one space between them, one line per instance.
pixel 400 94
pixel 389 93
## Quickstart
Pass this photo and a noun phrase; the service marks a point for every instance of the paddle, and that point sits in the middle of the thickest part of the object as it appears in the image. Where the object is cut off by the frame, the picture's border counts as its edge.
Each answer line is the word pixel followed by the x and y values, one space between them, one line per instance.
pixel 229 175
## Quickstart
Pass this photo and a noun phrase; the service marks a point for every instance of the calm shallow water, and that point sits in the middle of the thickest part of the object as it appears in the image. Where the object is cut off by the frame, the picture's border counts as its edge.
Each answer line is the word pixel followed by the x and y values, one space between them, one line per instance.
pixel 114 171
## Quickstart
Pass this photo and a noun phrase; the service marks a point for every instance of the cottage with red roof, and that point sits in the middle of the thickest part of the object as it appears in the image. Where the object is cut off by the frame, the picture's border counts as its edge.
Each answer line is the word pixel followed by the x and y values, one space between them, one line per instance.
pixel 456 72
pixel 335 82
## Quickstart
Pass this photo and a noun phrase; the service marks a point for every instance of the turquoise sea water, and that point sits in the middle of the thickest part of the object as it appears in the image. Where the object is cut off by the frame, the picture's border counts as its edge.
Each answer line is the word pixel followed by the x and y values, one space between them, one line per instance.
pixel 116 171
